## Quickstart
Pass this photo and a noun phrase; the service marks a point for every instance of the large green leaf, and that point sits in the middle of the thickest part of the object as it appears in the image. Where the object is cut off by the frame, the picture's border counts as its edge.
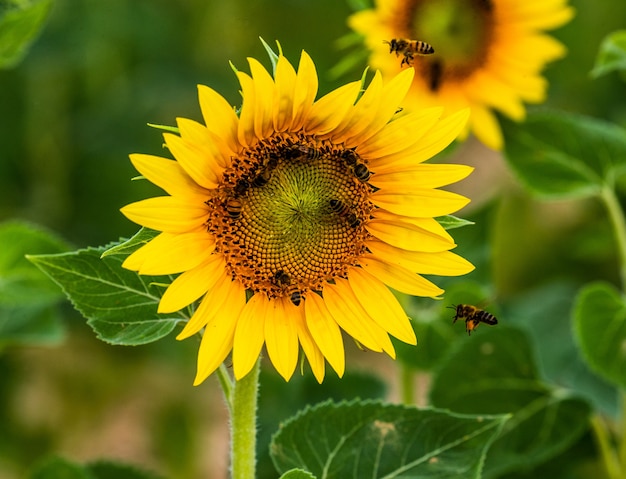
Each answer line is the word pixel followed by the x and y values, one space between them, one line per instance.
pixel 120 305
pixel 27 297
pixel 20 22
pixel 370 439
pixel 600 328
pixel 562 155
pixel 612 54
pixel 297 474
pixel 495 373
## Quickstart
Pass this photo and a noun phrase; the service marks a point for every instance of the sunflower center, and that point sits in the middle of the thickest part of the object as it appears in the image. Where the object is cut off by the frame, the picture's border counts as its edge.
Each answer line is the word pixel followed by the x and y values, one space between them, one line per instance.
pixel 459 30
pixel 290 213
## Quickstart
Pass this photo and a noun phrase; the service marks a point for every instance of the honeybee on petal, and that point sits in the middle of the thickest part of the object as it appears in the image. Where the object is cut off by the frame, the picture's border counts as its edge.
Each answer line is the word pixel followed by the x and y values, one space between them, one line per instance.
pixel 284 280
pixel 409 48
pixel 473 316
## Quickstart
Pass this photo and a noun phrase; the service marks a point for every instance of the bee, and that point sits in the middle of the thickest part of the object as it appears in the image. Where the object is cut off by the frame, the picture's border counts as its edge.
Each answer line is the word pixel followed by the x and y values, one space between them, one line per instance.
pixel 233 207
pixel 343 210
pixel 265 172
pixel 473 316
pixel 304 152
pixel 241 187
pixel 409 48
pixel 283 279
pixel 349 156
pixel 361 172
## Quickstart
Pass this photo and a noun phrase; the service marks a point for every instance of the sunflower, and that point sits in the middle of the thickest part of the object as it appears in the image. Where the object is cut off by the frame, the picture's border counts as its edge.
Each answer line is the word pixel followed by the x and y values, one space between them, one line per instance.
pixel 289 218
pixel 488 54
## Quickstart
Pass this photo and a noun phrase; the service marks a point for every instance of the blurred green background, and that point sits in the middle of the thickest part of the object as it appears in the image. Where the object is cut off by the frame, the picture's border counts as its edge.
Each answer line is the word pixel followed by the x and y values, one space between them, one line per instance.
pixel 78 104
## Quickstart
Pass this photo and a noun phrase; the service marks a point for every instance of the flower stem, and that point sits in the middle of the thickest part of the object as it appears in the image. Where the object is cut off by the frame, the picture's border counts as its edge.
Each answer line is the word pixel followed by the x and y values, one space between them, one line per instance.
pixel 609 458
pixel 616 215
pixel 243 425
pixel 406 384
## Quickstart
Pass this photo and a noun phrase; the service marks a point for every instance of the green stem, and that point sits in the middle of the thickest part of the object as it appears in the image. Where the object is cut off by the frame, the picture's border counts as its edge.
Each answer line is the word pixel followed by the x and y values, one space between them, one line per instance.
pixel 227 386
pixel 406 384
pixel 609 458
pixel 622 439
pixel 616 215
pixel 243 425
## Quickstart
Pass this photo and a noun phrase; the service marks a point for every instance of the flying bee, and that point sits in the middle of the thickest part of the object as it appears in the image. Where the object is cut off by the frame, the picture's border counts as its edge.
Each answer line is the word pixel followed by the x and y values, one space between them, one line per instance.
pixel 409 48
pixel 233 207
pixel 361 172
pixel 343 211
pixel 473 316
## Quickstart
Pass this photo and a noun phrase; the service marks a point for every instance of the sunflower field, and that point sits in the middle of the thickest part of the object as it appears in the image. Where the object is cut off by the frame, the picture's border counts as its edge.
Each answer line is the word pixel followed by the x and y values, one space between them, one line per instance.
pixel 217 215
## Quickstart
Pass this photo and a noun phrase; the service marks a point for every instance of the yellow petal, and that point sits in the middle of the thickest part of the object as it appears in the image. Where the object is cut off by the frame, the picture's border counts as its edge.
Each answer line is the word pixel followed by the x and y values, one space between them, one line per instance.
pixel 436 139
pixel 325 332
pixel 360 115
pixel 312 352
pixel 400 134
pixel 281 337
pixel 169 175
pixel 196 134
pixel 212 304
pixel 217 340
pixel 264 99
pixel 174 253
pixel 219 116
pixel 399 278
pixel 381 305
pixel 423 175
pixel 407 236
pixel 304 92
pixel 167 213
pixel 420 202
pixel 444 263
pixel 197 162
pixel 245 132
pixel 192 284
pixel 390 98
pixel 327 112
pixel 428 224
pixel 283 94
pixel 353 319
pixel 250 335
pixel 485 126
pixel 134 261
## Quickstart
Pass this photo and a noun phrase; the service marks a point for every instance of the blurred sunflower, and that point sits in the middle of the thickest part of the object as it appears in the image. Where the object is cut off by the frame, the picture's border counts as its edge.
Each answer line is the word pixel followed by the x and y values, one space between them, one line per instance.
pixel 489 54
pixel 292 217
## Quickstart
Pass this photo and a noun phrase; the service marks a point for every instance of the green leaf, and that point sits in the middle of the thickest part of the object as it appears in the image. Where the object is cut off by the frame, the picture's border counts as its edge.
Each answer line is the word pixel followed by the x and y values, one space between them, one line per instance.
pixel 561 155
pixel 20 23
pixel 28 313
pixel 494 372
pixel 297 474
pixel 612 54
pixel 451 222
pixel 57 468
pixel 370 439
pixel 600 329
pixel 120 305
pixel 114 470
pixel 126 247
pixel 270 52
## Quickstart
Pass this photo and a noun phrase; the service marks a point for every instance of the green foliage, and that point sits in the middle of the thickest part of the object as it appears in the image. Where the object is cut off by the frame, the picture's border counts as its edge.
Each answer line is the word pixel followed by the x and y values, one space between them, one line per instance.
pixel 495 373
pixel 600 328
pixel 57 468
pixel 20 23
pixel 559 155
pixel 612 55
pixel 27 298
pixel 120 305
pixel 372 439
pixel 297 474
